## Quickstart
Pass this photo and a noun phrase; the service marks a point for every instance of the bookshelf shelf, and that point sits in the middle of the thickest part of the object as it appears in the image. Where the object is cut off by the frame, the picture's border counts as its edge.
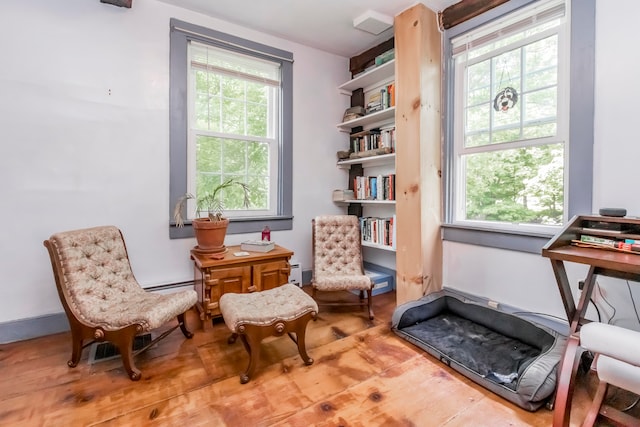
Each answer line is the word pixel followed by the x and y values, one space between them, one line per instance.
pixel 377 246
pixel 380 160
pixel 369 78
pixel 365 202
pixel 378 118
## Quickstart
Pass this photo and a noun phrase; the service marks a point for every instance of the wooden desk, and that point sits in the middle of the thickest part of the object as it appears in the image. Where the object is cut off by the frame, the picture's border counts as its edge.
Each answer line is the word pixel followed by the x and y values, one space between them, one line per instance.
pixel 256 272
pixel 603 262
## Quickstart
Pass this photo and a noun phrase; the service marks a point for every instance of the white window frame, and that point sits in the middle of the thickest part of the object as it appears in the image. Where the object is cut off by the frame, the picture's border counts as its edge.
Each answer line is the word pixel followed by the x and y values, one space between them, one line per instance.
pixel 280 216
pixel 272 140
pixel 578 135
pixel 562 115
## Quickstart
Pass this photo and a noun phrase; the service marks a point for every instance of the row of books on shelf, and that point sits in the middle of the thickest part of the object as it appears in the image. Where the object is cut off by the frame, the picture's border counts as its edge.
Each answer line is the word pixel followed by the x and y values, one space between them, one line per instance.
pixel 374 139
pixel 379 187
pixel 620 245
pixel 379 231
pixel 382 99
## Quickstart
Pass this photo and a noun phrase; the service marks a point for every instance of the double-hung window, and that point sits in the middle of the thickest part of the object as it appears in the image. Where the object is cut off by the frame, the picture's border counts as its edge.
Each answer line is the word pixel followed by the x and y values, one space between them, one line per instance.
pixel 508 140
pixel 231 120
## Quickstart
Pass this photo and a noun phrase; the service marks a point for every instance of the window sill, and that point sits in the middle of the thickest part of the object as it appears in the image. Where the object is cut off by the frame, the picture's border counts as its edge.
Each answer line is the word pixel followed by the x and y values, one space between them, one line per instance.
pixel 502 239
pixel 238 226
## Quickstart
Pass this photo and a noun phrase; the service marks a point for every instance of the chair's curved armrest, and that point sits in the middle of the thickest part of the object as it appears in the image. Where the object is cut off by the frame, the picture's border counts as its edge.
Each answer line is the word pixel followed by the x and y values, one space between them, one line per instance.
pixel 614 341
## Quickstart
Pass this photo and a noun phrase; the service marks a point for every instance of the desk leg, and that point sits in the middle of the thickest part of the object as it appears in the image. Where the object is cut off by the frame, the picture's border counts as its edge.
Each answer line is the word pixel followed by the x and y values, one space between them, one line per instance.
pixel 568 367
pixel 583 303
pixel 564 287
pixel 566 383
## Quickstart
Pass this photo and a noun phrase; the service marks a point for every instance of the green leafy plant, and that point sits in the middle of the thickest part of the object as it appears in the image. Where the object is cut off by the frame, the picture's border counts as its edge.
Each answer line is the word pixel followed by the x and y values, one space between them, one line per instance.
pixel 209 203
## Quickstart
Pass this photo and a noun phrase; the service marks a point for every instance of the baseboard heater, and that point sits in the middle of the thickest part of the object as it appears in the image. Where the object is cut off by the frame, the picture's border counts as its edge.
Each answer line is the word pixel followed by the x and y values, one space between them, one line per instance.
pixel 511 356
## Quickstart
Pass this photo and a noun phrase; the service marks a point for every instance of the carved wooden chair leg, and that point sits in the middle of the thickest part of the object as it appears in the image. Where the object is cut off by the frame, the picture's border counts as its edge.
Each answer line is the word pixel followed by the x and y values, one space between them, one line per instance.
pixel 252 344
pixel 76 348
pixel 124 341
pixel 232 338
pixel 370 303
pixel 183 326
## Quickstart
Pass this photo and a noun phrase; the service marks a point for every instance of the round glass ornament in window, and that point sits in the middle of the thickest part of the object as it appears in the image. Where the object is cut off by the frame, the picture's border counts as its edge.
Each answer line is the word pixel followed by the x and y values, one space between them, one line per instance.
pixel 505 99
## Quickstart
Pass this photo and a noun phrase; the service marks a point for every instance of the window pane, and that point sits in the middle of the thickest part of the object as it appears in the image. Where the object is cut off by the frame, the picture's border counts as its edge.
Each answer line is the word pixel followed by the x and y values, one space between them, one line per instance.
pixel 541 63
pixel 257 116
pixel 208 155
pixel 218 159
pixel 233 114
pixel 523 185
pixel 479 89
pixel 477 119
pixel 507 70
pixel 541 105
pixel 233 157
pixel 258 174
pixel 260 193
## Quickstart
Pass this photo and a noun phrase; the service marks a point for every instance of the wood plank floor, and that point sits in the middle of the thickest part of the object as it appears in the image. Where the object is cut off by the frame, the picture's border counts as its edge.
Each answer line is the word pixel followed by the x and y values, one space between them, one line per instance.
pixel 363 375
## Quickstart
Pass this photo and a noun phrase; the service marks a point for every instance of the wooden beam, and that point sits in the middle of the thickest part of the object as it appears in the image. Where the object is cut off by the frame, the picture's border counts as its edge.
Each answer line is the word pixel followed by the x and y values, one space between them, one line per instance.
pixel 359 63
pixel 465 10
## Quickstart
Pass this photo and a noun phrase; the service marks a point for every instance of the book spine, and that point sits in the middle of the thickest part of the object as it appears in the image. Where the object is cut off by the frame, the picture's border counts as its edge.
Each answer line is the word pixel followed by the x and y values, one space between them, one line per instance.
pixel 392 94
pixel 597 240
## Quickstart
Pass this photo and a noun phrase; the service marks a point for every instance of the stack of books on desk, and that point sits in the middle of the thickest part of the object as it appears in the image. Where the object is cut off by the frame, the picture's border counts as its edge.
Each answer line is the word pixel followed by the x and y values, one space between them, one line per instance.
pixel 626 245
pixel 257 245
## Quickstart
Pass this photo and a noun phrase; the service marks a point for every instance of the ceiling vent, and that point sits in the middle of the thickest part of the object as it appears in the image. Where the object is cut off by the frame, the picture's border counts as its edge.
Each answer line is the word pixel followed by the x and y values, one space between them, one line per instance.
pixel 373 22
pixel 121 3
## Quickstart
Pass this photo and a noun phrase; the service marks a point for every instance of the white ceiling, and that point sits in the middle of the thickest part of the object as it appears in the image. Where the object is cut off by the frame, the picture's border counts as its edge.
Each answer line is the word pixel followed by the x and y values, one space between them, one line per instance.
pixel 323 24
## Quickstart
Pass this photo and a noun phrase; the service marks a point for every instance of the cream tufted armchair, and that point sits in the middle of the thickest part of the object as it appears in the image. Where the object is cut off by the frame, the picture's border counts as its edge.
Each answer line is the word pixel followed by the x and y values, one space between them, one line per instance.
pixel 337 259
pixel 101 297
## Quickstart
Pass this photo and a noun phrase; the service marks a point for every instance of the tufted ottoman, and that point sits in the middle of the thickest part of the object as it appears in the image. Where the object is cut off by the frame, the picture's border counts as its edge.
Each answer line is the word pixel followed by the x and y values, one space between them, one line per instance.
pixel 257 315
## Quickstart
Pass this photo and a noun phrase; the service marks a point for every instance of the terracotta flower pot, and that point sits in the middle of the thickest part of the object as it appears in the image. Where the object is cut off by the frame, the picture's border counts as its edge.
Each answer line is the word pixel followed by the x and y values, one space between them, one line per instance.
pixel 210 234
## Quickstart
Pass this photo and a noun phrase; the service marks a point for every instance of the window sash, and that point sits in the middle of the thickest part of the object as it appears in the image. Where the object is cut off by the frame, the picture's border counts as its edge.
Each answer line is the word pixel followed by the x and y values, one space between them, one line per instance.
pixel 461 58
pixel 579 154
pixel 243 68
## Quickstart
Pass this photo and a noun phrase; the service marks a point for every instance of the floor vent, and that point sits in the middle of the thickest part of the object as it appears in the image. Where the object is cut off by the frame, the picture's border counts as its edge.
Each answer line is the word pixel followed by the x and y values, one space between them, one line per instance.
pixel 101 351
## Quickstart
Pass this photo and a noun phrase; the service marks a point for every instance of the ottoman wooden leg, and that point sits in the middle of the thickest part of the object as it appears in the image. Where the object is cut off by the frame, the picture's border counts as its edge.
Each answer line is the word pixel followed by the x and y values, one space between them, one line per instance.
pixel 300 329
pixel 251 342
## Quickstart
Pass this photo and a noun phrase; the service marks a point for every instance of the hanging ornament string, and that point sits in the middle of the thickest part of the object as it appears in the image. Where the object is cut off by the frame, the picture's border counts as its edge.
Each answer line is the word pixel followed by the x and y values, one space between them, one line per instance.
pixel 507 97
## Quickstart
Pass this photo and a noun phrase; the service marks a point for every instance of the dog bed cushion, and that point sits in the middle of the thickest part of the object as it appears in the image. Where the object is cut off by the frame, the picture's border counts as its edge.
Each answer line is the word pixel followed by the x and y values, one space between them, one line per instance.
pixel 513 357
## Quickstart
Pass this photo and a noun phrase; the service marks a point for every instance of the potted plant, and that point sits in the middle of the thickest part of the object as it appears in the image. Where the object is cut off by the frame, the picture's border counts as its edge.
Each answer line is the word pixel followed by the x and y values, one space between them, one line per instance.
pixel 210 229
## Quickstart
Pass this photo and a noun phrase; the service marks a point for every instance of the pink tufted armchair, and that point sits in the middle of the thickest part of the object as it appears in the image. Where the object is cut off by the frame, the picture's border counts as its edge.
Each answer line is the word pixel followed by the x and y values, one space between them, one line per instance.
pixel 337 259
pixel 101 297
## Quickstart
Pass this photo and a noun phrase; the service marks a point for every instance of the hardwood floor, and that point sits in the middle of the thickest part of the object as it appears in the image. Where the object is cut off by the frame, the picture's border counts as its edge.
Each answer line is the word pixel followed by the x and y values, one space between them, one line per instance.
pixel 363 375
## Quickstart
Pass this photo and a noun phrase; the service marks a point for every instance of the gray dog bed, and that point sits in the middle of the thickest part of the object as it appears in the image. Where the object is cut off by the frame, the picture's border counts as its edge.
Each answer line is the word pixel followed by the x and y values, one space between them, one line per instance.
pixel 513 357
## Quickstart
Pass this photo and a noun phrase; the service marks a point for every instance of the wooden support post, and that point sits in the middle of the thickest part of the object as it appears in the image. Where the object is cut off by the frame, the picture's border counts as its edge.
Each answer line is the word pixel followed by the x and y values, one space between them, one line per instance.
pixel 418 153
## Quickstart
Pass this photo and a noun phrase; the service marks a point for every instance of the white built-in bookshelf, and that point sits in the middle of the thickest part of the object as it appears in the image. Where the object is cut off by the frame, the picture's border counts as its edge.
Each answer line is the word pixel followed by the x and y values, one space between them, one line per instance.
pixel 376 210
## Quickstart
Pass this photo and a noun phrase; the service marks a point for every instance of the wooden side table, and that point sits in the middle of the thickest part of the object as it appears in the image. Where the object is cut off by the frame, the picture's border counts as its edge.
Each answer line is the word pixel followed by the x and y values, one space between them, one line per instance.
pixel 258 271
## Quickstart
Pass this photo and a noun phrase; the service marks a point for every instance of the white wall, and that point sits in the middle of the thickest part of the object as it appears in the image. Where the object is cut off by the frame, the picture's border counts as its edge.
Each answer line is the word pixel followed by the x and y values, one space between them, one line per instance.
pixel 84 136
pixel 84 114
pixel 526 280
